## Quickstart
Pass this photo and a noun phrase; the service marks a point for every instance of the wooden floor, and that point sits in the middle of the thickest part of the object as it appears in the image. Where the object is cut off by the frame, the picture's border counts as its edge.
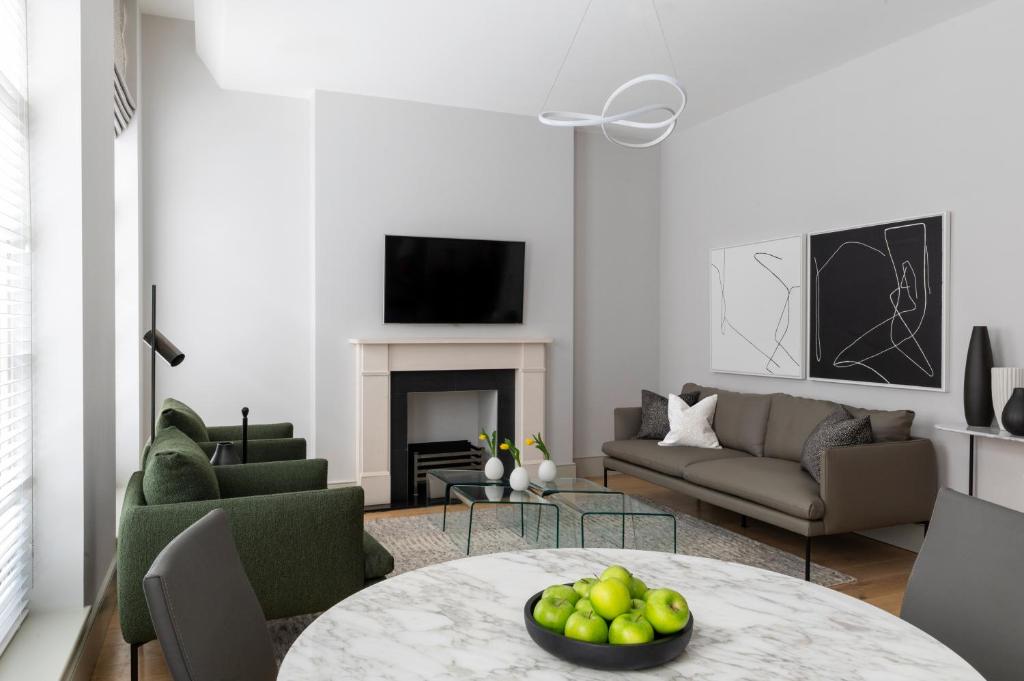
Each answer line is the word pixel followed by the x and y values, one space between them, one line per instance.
pixel 881 571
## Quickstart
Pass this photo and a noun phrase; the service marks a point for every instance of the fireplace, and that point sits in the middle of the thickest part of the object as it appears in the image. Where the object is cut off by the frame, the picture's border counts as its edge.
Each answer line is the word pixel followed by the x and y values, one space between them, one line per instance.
pixel 405 384
pixel 377 360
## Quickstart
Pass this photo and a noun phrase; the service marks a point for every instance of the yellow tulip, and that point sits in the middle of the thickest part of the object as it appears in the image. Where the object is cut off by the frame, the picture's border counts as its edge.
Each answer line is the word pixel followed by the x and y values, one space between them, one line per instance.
pixel 504 446
pixel 530 441
pixel 481 437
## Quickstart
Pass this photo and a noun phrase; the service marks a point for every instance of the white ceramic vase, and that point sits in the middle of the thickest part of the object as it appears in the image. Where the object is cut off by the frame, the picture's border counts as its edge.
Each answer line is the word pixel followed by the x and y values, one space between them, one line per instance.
pixel 494 492
pixel 1004 380
pixel 494 468
pixel 519 480
pixel 548 471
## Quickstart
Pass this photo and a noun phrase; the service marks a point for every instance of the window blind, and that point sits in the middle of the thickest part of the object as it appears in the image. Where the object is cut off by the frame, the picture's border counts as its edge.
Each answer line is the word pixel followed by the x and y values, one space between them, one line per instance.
pixel 15 326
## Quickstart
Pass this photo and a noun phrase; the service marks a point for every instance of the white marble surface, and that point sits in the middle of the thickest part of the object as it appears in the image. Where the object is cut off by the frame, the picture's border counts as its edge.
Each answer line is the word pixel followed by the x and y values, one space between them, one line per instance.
pixel 464 620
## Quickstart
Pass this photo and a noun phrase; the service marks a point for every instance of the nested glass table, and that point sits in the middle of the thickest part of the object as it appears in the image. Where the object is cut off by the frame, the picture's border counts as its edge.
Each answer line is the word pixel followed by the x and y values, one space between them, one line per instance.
pixel 510 512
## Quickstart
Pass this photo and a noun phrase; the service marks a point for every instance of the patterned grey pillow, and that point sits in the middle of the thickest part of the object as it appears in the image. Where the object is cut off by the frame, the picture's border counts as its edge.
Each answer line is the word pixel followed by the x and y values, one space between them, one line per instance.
pixel 838 429
pixel 654 414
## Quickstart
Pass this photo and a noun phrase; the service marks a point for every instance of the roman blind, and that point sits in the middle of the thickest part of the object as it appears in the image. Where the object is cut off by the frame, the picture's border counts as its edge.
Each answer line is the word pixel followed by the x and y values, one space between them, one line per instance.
pixel 15 326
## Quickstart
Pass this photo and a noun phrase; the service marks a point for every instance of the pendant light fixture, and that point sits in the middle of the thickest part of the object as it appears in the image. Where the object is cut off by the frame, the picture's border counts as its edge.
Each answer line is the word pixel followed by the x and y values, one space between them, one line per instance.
pixel 626 120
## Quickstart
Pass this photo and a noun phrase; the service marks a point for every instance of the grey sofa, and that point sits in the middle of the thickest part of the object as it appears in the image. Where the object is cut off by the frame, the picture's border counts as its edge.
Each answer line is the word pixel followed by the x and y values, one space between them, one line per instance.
pixel 757 473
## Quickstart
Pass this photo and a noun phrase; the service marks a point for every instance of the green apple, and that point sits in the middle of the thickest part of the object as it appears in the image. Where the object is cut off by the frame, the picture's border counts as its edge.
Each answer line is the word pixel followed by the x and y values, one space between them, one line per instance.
pixel 637 588
pixel 630 629
pixel 552 613
pixel 617 572
pixel 582 586
pixel 586 626
pixel 610 598
pixel 562 591
pixel 584 605
pixel 637 605
pixel 667 611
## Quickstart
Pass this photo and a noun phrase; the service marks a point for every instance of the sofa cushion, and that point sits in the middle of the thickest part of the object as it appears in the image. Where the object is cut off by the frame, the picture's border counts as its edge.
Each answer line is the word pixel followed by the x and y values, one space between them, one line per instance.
pixel 177 471
pixel 182 417
pixel 887 426
pixel 775 483
pixel 838 429
pixel 653 416
pixel 667 460
pixel 740 418
pixel 790 421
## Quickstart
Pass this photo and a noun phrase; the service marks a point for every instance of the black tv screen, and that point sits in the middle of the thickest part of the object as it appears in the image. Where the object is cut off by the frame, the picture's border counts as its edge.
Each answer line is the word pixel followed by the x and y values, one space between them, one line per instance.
pixel 453 281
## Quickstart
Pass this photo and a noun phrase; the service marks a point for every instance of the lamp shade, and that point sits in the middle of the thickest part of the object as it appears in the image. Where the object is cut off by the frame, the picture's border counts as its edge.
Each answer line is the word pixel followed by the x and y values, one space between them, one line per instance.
pixel 165 348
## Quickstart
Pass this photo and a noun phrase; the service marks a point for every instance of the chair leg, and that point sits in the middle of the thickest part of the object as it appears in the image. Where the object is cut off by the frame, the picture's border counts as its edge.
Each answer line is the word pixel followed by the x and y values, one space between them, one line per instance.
pixel 807 559
pixel 605 477
pixel 135 661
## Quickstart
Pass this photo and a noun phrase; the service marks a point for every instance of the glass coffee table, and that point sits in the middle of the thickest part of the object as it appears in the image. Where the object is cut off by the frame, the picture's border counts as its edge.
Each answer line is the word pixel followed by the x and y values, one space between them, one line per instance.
pixel 546 513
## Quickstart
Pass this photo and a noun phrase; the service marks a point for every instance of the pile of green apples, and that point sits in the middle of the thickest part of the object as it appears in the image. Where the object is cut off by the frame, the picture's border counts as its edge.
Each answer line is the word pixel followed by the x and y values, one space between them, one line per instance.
pixel 615 608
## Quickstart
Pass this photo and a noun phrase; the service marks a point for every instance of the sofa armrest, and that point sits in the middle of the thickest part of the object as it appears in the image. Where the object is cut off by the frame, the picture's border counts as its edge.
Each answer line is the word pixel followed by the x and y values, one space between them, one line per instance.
pixel 878 485
pixel 260 451
pixel 257 431
pixel 302 551
pixel 272 477
pixel 627 422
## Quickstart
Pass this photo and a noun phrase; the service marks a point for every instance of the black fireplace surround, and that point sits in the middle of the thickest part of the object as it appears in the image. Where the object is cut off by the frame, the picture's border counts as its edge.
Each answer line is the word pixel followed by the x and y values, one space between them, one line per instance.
pixel 404 382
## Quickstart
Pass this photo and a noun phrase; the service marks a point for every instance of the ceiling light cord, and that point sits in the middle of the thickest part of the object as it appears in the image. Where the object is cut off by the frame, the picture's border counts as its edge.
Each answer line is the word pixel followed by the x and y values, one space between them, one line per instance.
pixel 568 51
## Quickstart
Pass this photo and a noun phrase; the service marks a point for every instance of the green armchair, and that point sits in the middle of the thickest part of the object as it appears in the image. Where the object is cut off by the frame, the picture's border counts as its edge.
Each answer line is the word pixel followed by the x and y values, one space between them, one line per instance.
pixel 302 545
pixel 267 441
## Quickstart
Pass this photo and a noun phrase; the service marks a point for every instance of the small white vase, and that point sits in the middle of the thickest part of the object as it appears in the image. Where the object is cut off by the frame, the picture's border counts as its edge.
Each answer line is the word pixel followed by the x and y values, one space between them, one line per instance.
pixel 519 480
pixel 494 468
pixel 494 492
pixel 548 471
pixel 1004 380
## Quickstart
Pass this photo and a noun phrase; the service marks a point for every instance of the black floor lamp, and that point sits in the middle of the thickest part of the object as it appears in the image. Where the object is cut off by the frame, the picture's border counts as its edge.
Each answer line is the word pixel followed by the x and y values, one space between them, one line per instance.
pixel 168 350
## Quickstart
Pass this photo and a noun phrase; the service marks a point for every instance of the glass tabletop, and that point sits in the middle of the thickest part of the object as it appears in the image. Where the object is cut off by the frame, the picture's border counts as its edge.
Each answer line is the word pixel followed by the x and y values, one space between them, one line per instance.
pixel 569 486
pixel 452 476
pixel 492 494
pixel 614 520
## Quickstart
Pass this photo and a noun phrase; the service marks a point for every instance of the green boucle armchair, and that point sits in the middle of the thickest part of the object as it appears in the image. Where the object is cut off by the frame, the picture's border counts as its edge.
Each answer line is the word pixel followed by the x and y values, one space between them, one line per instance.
pixel 302 545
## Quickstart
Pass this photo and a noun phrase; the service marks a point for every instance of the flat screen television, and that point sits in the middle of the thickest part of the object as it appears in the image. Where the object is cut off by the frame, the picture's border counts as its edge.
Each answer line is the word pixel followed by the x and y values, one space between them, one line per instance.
pixel 453 281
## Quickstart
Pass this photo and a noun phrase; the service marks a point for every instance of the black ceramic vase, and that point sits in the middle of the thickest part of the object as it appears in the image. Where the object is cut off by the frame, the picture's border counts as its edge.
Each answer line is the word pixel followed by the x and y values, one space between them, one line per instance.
pixel 1013 412
pixel 225 455
pixel 978 408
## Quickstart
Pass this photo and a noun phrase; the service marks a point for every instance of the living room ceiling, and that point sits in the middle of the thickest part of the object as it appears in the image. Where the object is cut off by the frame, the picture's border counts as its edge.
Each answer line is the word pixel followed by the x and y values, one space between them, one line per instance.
pixel 502 55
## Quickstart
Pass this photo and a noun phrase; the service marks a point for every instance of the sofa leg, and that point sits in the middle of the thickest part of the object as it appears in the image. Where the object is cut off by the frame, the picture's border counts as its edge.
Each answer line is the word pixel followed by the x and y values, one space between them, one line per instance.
pixel 807 559
pixel 743 521
pixel 605 477
pixel 135 661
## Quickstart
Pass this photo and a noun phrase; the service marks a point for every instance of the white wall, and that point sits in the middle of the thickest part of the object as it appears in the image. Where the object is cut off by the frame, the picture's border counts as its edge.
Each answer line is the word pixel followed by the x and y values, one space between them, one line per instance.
pixel 930 123
pixel 226 236
pixel 616 287
pixel 390 167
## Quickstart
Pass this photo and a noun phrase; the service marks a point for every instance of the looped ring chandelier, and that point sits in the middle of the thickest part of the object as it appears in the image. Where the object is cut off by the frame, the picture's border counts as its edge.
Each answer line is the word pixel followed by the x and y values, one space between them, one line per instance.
pixel 625 120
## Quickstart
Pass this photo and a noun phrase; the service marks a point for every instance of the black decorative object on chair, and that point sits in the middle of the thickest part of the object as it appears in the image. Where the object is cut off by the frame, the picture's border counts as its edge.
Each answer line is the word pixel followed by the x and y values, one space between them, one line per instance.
pixel 245 434
pixel 225 455
pixel 1013 412
pixel 978 409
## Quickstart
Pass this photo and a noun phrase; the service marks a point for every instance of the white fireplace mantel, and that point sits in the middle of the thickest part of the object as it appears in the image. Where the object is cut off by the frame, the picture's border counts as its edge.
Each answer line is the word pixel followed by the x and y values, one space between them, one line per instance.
pixel 376 358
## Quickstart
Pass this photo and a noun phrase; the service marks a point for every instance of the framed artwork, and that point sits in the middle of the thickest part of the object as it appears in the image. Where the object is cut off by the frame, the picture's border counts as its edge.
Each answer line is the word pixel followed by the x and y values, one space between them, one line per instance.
pixel 878 301
pixel 757 308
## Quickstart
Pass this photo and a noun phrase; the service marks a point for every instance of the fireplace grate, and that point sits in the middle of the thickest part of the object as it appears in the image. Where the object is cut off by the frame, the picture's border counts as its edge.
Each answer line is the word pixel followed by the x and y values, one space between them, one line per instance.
pixel 432 456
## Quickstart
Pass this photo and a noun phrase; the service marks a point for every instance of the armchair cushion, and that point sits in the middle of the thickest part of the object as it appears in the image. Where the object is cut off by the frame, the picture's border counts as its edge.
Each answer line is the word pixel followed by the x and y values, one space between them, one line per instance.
pixel 377 562
pixel 257 431
pixel 182 417
pixel 272 477
pixel 277 449
pixel 177 470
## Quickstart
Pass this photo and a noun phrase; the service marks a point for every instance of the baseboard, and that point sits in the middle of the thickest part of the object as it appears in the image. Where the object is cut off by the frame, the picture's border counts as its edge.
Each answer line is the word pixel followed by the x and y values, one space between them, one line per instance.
pixel 340 483
pixel 94 629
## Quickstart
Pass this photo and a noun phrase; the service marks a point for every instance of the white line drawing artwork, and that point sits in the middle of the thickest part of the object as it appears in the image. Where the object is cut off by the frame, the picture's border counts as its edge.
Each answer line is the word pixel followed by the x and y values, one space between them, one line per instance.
pixel 757 308
pixel 910 261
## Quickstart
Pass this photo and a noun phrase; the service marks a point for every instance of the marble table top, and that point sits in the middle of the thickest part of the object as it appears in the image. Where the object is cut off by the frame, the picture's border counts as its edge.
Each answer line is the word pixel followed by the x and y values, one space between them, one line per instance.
pixel 464 620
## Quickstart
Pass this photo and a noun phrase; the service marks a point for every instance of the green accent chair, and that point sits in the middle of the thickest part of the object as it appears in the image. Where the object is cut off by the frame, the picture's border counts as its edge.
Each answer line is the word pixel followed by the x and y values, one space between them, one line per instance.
pixel 267 441
pixel 302 545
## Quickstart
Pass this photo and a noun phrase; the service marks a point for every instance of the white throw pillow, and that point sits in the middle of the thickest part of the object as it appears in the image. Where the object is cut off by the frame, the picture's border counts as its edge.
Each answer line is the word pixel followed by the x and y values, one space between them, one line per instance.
pixel 691 426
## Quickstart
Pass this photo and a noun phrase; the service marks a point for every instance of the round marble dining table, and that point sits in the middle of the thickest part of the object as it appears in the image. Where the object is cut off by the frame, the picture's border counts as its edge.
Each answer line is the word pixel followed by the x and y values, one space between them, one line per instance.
pixel 464 620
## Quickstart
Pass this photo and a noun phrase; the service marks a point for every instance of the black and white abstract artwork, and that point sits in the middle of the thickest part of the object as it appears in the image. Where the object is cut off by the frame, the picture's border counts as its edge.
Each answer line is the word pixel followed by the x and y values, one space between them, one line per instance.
pixel 756 303
pixel 877 304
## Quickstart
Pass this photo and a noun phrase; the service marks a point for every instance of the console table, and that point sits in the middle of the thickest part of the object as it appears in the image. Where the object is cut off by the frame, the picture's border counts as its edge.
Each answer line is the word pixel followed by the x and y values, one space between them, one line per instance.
pixel 975 432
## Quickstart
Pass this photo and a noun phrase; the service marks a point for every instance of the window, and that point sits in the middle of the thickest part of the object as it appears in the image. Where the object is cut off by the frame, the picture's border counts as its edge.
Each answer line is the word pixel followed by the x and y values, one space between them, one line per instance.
pixel 15 326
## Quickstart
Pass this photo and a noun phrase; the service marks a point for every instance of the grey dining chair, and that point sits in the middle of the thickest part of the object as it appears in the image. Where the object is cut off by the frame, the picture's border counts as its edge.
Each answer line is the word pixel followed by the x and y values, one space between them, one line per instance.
pixel 204 611
pixel 965 588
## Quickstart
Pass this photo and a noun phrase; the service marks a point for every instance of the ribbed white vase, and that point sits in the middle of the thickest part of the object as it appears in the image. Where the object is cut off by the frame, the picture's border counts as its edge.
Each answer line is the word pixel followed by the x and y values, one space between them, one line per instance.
pixel 1004 380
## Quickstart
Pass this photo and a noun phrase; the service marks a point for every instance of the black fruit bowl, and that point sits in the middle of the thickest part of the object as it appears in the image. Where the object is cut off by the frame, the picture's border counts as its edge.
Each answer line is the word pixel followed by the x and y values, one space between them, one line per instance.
pixel 604 655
